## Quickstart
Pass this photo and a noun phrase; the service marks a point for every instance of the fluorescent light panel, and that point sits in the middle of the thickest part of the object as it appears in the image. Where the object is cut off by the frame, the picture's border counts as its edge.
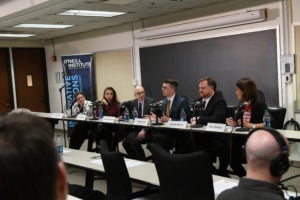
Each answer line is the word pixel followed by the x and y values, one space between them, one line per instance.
pixel 58 26
pixel 91 13
pixel 15 35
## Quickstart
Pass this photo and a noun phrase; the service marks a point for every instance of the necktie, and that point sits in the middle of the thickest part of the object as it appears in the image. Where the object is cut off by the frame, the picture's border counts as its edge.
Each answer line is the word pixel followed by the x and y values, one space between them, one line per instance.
pixel 140 111
pixel 168 108
pixel 203 104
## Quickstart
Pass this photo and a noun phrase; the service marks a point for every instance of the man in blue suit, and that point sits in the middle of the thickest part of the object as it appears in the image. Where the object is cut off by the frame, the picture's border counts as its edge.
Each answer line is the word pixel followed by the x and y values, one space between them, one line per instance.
pixel 171 108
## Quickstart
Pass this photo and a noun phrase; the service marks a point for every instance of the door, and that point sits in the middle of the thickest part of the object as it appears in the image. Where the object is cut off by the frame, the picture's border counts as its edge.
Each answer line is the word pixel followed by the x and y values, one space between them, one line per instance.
pixel 6 100
pixel 31 79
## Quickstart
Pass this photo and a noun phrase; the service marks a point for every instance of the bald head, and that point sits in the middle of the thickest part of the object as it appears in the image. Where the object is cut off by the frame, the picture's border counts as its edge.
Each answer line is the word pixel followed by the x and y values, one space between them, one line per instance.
pixel 139 93
pixel 261 148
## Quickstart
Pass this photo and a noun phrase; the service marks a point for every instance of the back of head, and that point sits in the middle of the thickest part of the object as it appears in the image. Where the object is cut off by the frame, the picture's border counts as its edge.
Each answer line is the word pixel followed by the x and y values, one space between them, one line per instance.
pixel 28 158
pixel 267 150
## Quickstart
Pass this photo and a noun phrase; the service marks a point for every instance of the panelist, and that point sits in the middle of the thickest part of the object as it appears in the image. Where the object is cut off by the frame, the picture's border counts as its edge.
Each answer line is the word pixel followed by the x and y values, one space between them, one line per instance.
pixel 138 136
pixel 251 115
pixel 267 154
pixel 213 110
pixel 109 132
pixel 80 132
pixel 171 108
pixel 30 165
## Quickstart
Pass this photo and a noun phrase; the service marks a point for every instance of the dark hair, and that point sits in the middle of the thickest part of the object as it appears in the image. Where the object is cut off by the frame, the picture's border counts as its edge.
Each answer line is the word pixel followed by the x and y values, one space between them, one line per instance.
pixel 115 98
pixel 210 81
pixel 28 158
pixel 78 93
pixel 248 87
pixel 172 82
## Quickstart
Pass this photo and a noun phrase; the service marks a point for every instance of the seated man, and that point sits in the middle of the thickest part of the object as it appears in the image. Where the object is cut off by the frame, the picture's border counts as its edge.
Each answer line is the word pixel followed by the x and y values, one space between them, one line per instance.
pixel 267 154
pixel 30 165
pixel 172 106
pixel 132 144
pixel 213 111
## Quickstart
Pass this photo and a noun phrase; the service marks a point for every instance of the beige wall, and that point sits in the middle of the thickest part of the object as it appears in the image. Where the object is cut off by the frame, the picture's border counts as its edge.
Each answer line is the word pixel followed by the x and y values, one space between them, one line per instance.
pixel 114 69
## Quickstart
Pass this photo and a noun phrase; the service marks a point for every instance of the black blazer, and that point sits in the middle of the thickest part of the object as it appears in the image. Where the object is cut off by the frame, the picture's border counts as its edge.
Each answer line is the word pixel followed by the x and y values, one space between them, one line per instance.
pixel 215 111
pixel 178 103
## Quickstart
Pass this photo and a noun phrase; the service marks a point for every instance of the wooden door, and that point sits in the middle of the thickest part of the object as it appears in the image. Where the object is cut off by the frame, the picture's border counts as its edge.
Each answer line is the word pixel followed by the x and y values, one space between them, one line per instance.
pixel 31 79
pixel 6 100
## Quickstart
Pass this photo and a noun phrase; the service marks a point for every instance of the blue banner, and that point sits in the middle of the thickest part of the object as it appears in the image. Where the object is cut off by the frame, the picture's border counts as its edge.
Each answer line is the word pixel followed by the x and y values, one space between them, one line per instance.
pixel 78 76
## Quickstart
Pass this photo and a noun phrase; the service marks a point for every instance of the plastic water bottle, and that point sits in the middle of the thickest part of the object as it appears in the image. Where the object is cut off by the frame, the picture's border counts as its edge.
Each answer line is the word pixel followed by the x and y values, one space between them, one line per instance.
pixel 267 119
pixel 101 112
pixel 182 115
pixel 59 145
pixel 134 113
pixel 126 115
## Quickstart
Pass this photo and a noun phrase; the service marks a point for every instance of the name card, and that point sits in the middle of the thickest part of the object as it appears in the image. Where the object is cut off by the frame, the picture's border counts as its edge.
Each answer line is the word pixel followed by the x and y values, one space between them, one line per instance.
pixel 109 119
pixel 57 115
pixel 141 121
pixel 81 117
pixel 217 127
pixel 177 124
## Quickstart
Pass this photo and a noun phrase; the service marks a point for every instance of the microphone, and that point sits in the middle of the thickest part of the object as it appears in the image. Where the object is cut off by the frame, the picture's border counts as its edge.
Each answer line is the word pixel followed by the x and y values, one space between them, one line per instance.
pixel 157 104
pixel 62 87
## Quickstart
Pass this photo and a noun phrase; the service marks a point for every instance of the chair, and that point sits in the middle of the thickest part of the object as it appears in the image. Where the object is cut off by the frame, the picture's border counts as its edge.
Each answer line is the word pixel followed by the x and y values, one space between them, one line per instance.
pixel 291 125
pixel 118 182
pixel 183 176
pixel 277 117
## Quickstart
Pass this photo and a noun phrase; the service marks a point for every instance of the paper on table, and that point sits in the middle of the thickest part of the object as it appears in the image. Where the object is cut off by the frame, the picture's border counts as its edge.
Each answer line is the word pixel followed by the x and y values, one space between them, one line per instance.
pixel 222 185
pixel 129 163
pixel 98 161
pixel 133 163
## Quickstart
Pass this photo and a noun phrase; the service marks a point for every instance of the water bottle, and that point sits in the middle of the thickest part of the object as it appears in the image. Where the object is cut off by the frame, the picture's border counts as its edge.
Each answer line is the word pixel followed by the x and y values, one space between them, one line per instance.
pixel 126 115
pixel 100 111
pixel 182 115
pixel 267 119
pixel 134 113
pixel 59 145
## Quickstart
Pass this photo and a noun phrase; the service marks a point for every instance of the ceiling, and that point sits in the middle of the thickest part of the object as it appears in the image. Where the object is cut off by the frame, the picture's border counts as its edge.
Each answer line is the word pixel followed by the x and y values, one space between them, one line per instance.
pixel 44 12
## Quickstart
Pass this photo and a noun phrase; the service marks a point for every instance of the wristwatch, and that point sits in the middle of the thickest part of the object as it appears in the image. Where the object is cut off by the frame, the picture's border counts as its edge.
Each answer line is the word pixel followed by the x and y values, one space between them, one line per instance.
pixel 253 126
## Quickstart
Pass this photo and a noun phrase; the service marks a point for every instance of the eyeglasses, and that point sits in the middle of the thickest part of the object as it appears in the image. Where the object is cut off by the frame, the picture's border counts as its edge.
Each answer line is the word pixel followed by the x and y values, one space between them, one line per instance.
pixel 164 87
pixel 139 93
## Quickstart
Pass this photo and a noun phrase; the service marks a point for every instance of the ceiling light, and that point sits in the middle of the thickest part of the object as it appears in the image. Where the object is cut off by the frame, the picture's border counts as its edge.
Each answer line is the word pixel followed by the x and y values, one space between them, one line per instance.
pixel 43 26
pixel 13 35
pixel 91 13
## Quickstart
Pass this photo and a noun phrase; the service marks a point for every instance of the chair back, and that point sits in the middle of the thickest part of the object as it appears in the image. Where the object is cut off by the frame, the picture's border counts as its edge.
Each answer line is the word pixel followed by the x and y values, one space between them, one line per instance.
pixel 277 117
pixel 291 125
pixel 117 178
pixel 183 176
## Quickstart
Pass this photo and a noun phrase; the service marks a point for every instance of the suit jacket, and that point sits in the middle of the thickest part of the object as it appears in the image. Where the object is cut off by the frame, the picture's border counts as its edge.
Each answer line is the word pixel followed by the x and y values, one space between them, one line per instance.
pixel 215 111
pixel 178 103
pixel 147 102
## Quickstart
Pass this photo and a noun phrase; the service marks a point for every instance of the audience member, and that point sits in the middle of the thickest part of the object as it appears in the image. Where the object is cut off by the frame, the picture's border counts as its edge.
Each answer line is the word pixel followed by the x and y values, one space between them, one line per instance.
pixel 250 113
pixel 81 129
pixel 111 106
pixel 138 136
pixel 267 154
pixel 213 111
pixel 30 165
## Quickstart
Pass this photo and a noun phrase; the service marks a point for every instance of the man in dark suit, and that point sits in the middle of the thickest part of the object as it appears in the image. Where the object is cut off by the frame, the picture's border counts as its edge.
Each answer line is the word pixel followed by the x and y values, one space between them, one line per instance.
pixel 137 136
pixel 213 110
pixel 171 108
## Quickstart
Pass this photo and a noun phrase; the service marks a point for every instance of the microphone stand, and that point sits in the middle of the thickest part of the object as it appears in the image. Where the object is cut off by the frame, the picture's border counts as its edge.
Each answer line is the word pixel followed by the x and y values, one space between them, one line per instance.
pixel 62 111
pixel 196 116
